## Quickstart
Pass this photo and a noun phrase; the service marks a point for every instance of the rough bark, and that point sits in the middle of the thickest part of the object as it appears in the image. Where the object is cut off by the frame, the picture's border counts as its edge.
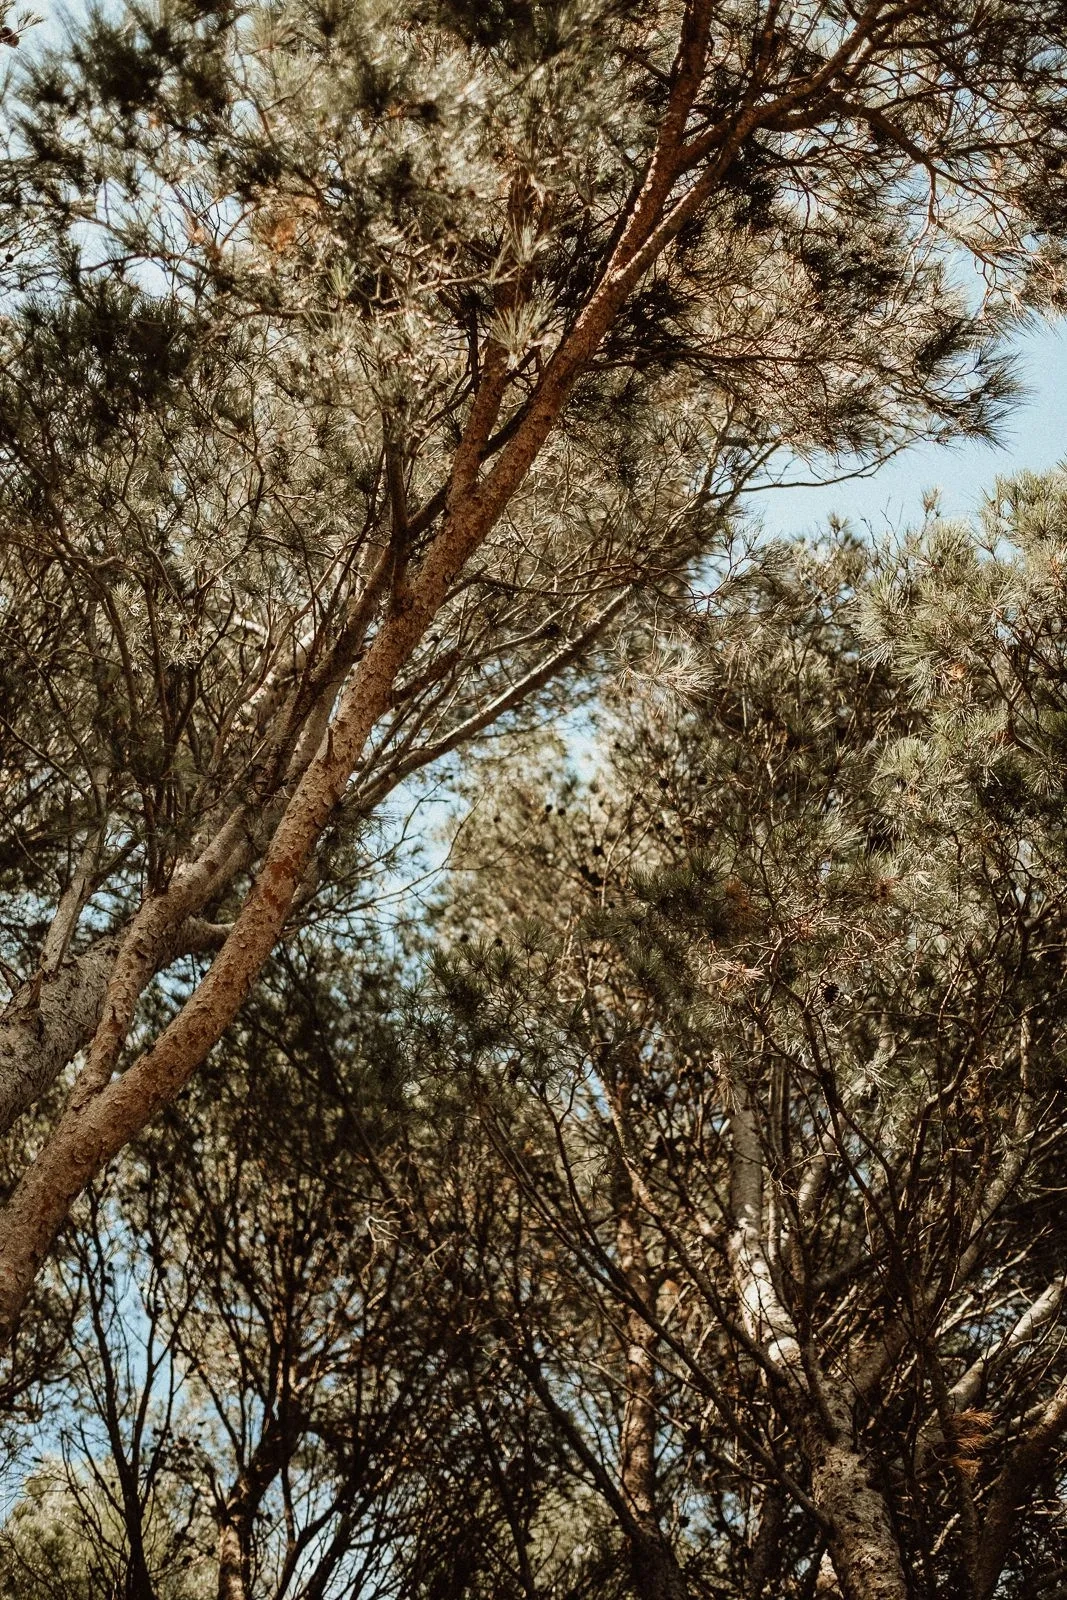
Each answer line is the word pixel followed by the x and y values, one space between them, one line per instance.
pixel 233 1563
pixel 47 1022
pixel 863 1544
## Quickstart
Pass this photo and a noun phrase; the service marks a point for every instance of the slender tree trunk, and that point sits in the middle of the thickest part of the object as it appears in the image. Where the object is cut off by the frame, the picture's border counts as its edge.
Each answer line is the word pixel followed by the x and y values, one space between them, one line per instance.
pixel 766 1544
pixel 655 1570
pixel 138 1584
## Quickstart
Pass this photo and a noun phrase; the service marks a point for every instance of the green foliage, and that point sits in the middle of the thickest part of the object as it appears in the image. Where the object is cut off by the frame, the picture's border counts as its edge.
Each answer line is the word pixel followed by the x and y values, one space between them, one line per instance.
pixel 811 890
pixel 59 1543
pixel 402 1198
pixel 285 288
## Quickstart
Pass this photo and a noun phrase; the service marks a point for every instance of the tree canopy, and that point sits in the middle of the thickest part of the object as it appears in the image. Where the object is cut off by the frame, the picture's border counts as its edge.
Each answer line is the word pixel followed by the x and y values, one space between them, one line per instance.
pixel 668 1206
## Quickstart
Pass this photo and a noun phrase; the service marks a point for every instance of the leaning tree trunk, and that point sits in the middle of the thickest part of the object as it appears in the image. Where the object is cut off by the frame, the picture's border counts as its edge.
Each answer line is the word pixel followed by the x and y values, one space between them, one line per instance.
pixel 105 1110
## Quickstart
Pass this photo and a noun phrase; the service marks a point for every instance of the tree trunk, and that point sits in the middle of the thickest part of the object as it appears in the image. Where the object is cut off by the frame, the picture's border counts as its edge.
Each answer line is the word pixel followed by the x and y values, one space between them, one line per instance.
pixel 105 1112
pixel 237 1514
pixel 765 1547
pixel 655 1570
pixel 863 1545
pixel 233 1554
pixel 47 1022
pixel 138 1584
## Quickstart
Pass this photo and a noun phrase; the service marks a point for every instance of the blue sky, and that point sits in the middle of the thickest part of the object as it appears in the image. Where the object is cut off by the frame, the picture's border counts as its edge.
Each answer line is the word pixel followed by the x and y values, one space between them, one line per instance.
pixel 1033 437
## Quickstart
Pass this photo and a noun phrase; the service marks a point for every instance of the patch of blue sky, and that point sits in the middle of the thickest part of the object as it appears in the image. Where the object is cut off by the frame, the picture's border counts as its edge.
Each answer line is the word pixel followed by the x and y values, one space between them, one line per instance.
pixel 1032 438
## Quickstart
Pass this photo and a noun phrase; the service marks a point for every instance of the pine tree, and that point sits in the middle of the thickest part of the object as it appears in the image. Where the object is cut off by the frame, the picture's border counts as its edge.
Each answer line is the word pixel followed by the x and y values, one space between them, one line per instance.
pixel 360 363
pixel 804 1025
pixel 680 1209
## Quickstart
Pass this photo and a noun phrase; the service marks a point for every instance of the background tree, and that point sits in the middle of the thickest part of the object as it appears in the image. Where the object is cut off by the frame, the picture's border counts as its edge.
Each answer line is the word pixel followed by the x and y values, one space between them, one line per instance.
pixel 279 1385
pixel 804 1117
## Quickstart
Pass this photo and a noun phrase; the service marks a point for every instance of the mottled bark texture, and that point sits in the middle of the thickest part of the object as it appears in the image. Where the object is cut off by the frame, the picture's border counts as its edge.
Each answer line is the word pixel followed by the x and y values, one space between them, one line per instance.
pixel 863 1545
pixel 47 1022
